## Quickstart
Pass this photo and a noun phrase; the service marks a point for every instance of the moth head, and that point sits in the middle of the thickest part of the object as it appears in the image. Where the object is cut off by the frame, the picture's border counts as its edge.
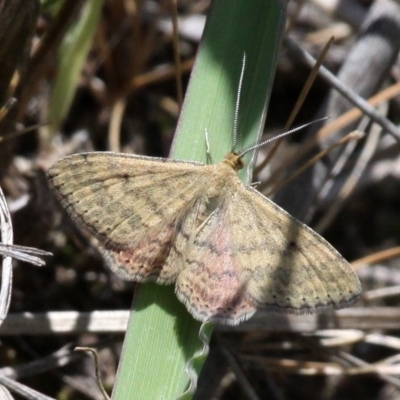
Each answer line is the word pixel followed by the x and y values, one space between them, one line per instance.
pixel 234 160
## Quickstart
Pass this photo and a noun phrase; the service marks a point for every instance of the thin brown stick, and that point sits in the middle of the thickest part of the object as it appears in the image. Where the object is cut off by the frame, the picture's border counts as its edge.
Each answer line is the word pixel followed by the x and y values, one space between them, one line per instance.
pixel 300 100
pixel 114 129
pixel 349 94
pixel 356 135
pixel 353 178
pixel 344 120
pixel 377 257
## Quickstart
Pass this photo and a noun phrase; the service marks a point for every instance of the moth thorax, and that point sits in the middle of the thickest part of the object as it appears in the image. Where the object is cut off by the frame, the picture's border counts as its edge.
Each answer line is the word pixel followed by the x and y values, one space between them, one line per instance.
pixel 234 160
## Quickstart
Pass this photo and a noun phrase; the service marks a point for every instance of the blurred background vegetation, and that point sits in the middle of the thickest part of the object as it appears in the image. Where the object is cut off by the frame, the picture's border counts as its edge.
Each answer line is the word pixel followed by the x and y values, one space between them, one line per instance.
pixel 101 75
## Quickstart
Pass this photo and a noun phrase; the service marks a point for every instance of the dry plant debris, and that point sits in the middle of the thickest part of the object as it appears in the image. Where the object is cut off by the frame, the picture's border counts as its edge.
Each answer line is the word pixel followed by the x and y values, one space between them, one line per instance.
pixel 126 100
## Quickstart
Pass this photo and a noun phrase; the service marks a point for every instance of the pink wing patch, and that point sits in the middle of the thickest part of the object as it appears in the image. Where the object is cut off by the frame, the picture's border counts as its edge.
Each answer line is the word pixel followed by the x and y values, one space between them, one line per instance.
pixel 212 285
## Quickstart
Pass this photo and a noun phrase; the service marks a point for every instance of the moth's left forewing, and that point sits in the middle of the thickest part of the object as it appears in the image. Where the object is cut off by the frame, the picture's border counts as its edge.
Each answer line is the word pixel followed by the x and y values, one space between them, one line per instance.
pixel 289 267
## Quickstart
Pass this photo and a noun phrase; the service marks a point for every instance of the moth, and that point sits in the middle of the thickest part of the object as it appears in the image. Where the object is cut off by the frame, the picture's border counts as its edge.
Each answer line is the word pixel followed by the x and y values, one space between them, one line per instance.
pixel 228 249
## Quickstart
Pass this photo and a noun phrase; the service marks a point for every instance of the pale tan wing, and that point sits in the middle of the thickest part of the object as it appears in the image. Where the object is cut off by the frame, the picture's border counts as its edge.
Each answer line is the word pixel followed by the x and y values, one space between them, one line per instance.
pixel 287 266
pixel 211 285
pixel 139 208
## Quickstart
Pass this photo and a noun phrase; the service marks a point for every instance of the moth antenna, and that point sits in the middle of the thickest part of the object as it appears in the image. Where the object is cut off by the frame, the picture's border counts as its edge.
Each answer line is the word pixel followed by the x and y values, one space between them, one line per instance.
pixel 239 92
pixel 280 136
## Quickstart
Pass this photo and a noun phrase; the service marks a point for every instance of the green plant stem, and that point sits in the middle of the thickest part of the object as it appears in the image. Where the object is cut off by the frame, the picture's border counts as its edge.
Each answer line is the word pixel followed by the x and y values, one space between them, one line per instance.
pixel 161 335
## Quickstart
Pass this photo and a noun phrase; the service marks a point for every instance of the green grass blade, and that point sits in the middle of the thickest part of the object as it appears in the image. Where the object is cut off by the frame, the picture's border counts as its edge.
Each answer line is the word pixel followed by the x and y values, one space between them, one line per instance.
pixel 234 28
pixel 161 335
pixel 72 56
